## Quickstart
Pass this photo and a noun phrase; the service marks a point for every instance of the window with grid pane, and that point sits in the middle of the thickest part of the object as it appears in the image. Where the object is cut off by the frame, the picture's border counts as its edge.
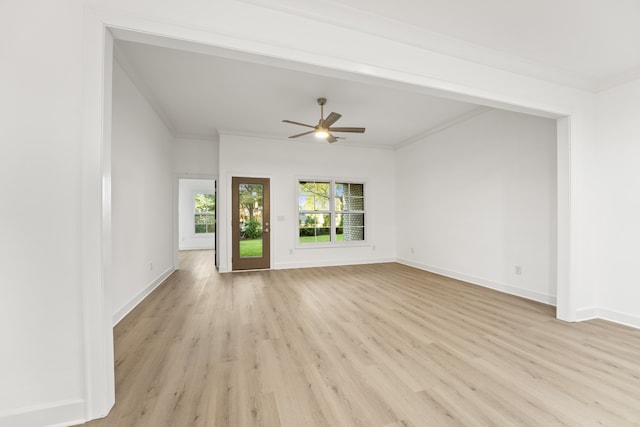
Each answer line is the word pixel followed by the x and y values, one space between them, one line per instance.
pixel 330 212
pixel 314 211
pixel 349 209
pixel 205 213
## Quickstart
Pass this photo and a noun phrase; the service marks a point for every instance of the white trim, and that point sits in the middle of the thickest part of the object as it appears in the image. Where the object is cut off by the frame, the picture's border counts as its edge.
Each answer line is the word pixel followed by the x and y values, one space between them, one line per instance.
pixel 279 138
pixel 587 313
pixel 331 263
pixel 626 319
pixel 176 209
pixel 497 286
pixel 97 307
pixel 335 13
pixel 331 244
pixel 619 317
pixel 198 248
pixel 618 79
pixel 565 307
pixel 442 126
pixel 62 413
pixel 127 27
pixel 137 299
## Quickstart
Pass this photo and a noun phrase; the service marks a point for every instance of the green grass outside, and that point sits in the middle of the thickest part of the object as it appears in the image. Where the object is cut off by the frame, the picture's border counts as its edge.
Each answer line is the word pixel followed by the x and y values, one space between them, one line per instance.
pixel 325 238
pixel 250 248
pixel 253 247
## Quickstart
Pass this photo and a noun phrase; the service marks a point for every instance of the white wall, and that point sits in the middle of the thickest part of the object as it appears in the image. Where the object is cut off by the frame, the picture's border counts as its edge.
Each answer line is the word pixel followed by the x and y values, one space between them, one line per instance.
pixel 142 205
pixel 41 359
pixel 478 199
pixel 618 226
pixel 286 161
pixel 187 189
pixel 195 157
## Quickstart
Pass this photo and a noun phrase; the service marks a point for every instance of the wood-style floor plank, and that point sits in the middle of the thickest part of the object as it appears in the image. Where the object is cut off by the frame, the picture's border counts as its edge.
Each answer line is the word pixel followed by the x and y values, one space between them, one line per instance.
pixel 367 345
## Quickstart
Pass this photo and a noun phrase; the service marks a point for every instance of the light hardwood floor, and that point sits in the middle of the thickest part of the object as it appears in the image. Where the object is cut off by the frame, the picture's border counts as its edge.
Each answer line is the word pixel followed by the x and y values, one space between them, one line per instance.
pixel 369 345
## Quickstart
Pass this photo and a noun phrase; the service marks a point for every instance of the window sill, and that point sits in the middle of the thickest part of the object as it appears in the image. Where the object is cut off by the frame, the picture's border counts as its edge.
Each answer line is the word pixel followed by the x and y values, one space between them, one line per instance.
pixel 324 245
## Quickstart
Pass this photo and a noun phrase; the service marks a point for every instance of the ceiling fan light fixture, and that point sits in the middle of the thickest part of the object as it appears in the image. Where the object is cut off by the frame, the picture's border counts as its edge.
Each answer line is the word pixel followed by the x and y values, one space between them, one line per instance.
pixel 321 133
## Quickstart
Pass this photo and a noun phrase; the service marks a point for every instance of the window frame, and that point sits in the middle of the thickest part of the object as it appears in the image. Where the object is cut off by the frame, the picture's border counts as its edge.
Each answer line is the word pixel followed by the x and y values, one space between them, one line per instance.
pixel 333 243
pixel 211 214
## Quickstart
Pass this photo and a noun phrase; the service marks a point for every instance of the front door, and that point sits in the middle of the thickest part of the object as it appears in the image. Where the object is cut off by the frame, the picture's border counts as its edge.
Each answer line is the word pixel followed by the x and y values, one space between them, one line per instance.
pixel 251 224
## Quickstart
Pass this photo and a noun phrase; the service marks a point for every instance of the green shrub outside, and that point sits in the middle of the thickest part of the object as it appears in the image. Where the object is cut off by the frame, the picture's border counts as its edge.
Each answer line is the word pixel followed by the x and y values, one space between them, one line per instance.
pixel 253 229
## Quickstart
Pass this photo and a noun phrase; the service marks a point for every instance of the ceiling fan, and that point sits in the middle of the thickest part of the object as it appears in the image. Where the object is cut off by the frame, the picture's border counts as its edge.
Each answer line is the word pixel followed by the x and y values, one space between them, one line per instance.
pixel 323 129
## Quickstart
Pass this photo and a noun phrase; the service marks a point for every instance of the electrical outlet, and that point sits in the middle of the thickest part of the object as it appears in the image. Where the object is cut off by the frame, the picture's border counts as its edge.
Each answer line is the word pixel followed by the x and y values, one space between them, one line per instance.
pixel 518 270
pixel 412 250
pixel 150 266
pixel 373 248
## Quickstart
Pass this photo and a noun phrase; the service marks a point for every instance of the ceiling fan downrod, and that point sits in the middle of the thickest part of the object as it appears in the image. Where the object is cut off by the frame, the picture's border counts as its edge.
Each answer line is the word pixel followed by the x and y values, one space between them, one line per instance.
pixel 321 102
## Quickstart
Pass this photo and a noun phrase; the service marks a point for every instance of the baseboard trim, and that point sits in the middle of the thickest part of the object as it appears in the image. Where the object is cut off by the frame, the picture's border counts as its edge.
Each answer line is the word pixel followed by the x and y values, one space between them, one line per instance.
pixel 626 319
pixel 496 286
pixel 197 248
pixel 122 312
pixel 330 263
pixel 63 413
pixel 587 313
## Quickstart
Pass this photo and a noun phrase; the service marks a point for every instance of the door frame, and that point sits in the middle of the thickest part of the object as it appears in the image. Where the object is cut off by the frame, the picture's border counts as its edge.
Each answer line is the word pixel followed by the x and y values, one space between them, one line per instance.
pixel 267 225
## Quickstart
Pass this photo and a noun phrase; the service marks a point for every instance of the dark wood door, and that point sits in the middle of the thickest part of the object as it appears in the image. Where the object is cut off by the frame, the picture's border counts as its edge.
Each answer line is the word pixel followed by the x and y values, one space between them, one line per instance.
pixel 251 223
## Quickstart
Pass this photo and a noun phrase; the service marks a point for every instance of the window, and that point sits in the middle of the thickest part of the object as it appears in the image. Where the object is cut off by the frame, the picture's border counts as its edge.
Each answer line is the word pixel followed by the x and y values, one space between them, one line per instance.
pixel 205 213
pixel 330 212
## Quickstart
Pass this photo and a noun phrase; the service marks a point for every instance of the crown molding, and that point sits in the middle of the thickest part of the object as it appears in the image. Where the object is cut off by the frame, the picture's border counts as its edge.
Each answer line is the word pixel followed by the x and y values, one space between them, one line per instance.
pixel 618 80
pixel 442 126
pixel 276 138
pixel 214 137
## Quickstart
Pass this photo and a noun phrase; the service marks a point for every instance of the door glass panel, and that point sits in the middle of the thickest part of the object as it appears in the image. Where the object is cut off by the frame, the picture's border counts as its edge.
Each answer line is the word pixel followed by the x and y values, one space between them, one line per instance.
pixel 251 220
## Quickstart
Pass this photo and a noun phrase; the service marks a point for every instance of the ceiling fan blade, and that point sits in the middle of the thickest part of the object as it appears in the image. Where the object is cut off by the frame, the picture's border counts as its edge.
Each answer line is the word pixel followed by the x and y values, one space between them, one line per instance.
pixel 331 138
pixel 298 123
pixel 331 119
pixel 302 134
pixel 354 130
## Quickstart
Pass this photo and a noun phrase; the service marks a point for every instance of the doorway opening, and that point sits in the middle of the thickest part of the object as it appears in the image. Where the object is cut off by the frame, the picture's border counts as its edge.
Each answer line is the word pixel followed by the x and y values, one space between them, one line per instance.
pixel 196 214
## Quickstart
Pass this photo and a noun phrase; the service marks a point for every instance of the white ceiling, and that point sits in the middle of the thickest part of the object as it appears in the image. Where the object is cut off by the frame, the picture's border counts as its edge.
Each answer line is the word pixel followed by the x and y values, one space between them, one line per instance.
pixel 200 96
pixel 589 44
